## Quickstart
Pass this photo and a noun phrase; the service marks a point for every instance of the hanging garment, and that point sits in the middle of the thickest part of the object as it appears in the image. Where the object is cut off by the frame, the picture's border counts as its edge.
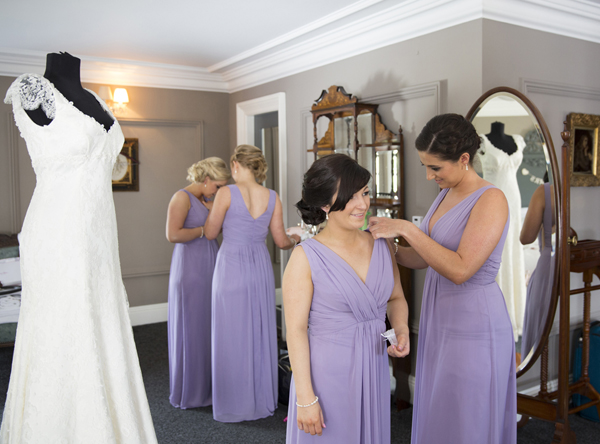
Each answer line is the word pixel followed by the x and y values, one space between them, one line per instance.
pixel 501 169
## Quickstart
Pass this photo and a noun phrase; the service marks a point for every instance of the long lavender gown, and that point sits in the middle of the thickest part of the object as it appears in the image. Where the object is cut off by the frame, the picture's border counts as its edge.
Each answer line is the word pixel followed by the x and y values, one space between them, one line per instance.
pixel 190 283
pixel 244 339
pixel 465 388
pixel 348 358
pixel 539 289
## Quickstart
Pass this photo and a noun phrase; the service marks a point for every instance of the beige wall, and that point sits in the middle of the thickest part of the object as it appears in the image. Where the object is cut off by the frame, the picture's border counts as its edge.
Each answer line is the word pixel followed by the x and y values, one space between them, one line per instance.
pixel 466 61
pixel 174 128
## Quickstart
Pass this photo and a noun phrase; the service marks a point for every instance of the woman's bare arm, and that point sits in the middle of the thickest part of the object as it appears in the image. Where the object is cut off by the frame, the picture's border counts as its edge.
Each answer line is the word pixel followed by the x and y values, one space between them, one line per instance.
pixel 281 239
pixel 176 215
pixel 481 235
pixel 214 221
pixel 534 217
pixel 297 298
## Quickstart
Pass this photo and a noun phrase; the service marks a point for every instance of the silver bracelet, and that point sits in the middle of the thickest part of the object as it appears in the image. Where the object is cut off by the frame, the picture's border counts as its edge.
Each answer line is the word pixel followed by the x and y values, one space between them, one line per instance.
pixel 294 241
pixel 308 405
pixel 202 235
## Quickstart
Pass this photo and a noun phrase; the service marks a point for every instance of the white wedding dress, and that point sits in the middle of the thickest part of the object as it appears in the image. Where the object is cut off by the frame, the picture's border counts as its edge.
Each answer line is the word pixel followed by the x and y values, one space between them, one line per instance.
pixel 500 168
pixel 75 374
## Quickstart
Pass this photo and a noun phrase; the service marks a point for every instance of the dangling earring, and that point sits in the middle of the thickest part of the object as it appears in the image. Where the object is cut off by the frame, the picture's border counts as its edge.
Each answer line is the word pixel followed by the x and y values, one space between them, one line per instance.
pixel 327 215
pixel 467 167
pixel 204 185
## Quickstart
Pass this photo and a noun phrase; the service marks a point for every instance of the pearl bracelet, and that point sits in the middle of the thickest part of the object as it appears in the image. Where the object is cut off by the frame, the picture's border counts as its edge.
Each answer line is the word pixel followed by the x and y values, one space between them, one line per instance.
pixel 395 248
pixel 308 405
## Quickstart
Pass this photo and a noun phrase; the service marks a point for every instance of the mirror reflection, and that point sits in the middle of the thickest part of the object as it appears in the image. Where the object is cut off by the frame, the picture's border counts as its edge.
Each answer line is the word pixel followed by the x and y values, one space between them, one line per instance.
pixel 514 157
pixel 383 164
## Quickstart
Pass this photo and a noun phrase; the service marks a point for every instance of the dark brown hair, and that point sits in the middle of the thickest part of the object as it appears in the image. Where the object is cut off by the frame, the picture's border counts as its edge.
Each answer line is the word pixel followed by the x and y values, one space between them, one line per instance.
pixel 449 136
pixel 328 175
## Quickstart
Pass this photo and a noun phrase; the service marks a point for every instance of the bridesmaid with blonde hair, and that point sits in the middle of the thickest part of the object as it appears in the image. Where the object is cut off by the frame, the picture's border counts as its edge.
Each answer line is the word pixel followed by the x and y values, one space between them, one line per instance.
pixel 190 283
pixel 244 340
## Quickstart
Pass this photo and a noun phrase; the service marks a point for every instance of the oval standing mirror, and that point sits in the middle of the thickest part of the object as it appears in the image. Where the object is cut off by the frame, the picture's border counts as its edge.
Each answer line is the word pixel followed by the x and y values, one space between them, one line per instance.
pixel 517 155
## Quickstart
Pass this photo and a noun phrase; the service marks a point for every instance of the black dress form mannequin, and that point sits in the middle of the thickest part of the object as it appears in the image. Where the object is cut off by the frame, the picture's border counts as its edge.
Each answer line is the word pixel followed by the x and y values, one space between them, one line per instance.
pixel 63 71
pixel 500 140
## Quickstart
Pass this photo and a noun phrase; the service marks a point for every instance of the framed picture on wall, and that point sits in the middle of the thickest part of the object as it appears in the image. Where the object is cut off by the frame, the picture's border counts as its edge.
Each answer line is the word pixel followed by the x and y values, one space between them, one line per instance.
pixel 585 158
pixel 125 174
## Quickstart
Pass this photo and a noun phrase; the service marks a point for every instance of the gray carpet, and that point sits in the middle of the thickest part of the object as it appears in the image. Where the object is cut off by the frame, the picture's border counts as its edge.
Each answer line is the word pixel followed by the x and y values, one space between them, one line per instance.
pixel 175 426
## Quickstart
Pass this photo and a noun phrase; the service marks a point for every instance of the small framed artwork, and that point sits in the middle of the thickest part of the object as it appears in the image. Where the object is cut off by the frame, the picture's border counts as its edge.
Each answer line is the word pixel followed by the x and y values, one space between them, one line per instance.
pixel 125 174
pixel 585 158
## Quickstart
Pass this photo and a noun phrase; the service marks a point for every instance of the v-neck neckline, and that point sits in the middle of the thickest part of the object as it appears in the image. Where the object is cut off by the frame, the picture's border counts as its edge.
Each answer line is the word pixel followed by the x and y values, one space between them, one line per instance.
pixel 429 227
pixel 350 266
pixel 199 201
pixel 248 209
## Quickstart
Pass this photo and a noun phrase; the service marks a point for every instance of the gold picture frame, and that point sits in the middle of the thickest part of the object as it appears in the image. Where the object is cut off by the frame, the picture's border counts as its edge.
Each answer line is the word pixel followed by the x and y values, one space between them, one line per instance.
pixel 125 176
pixel 584 155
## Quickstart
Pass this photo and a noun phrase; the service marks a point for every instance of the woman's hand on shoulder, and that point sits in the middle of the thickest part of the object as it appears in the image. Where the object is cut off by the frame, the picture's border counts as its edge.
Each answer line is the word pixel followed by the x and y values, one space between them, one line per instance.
pixel 389 228
pixel 310 419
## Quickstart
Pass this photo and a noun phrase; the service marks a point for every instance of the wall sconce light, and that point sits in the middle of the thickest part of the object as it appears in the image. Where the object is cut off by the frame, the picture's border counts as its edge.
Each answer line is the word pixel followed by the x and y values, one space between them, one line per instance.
pixel 117 102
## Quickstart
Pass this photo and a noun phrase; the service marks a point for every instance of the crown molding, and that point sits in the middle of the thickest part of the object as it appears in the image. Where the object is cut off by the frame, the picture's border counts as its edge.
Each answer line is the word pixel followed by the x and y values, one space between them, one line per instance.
pixel 118 72
pixel 299 32
pixel 307 47
pixel 414 18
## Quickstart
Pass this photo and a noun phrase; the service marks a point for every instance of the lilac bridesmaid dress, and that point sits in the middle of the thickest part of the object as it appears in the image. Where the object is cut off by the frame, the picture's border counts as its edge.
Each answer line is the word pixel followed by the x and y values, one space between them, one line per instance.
pixel 465 387
pixel 348 357
pixel 244 339
pixel 539 289
pixel 188 323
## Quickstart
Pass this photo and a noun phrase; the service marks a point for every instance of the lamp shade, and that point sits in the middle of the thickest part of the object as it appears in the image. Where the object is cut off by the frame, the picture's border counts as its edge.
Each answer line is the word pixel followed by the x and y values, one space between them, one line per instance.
pixel 120 95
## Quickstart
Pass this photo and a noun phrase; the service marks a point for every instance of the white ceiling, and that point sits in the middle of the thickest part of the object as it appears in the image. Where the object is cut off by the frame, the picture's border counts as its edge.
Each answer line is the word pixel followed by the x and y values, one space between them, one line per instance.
pixel 229 45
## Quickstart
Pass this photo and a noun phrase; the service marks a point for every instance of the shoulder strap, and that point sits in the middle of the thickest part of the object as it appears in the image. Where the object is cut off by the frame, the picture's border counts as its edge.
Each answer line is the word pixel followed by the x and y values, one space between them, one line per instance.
pixel 30 91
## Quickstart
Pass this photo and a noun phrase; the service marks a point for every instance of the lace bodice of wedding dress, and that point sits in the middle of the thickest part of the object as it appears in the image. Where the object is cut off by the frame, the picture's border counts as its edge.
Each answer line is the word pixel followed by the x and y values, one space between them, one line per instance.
pixel 75 375
pixel 500 168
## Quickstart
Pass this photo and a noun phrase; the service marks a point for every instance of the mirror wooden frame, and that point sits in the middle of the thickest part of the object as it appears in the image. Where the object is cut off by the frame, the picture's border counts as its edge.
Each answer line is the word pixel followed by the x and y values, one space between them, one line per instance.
pixel 557 193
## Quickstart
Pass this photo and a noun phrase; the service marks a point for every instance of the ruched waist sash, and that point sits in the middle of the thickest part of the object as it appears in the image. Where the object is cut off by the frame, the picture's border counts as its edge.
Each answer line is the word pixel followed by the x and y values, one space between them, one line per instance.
pixel 321 324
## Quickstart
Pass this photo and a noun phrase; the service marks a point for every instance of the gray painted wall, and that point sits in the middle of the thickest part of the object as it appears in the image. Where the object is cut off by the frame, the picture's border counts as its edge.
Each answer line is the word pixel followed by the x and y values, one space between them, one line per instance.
pixel 464 61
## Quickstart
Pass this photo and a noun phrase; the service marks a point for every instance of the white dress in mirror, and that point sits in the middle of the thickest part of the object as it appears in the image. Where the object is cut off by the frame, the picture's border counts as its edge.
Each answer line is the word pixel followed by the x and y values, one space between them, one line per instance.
pixel 500 168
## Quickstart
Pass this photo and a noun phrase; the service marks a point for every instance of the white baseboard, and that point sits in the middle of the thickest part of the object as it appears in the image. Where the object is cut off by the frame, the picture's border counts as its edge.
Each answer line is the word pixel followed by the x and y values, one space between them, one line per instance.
pixel 148 314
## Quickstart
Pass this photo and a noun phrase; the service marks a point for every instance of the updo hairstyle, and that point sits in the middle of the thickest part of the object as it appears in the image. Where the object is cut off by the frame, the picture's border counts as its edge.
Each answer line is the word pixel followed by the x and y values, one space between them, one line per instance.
pixel 328 175
pixel 212 167
pixel 449 136
pixel 252 158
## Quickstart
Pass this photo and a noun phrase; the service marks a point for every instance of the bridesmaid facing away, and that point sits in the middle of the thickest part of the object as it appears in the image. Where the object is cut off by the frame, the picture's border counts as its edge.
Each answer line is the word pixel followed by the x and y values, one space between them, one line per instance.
pixel 244 332
pixel 465 385
pixel 190 283
pixel 336 290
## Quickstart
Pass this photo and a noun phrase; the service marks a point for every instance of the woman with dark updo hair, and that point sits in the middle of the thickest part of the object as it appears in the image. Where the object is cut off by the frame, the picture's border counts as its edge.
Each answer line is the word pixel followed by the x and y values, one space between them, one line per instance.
pixel 465 386
pixel 336 289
